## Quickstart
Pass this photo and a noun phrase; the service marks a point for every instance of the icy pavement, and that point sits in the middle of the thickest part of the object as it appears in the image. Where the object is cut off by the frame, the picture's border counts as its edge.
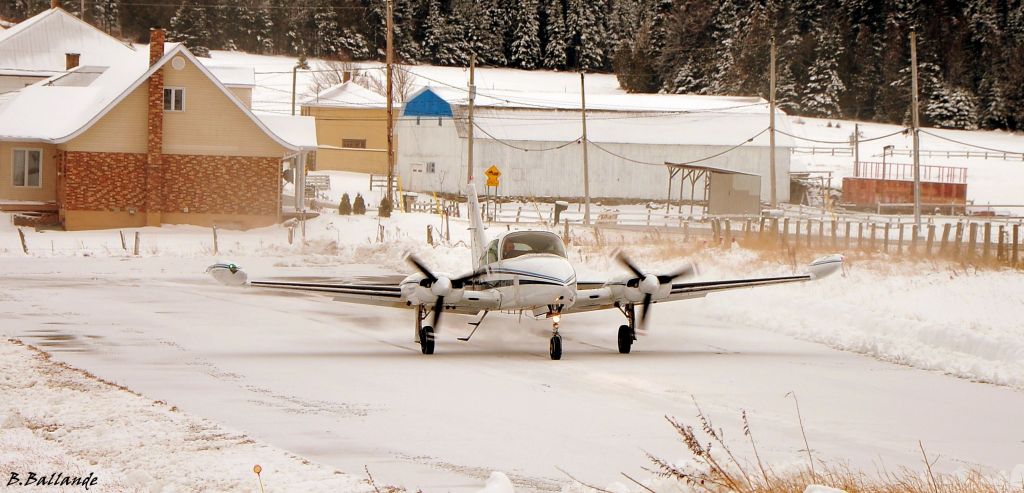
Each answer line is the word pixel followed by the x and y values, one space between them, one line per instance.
pixel 55 419
pixel 344 385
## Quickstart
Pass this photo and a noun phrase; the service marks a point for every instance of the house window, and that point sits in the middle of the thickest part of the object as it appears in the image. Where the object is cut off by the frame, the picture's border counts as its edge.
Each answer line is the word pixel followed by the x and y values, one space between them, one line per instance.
pixel 431 167
pixel 174 99
pixel 28 167
pixel 353 143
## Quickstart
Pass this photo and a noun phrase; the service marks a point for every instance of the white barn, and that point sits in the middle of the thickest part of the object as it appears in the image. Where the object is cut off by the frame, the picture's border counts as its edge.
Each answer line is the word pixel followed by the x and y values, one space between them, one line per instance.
pixel 534 140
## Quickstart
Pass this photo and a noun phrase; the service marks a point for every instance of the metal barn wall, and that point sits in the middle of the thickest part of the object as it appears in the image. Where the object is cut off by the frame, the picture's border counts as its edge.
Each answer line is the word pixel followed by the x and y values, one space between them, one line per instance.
pixel 559 173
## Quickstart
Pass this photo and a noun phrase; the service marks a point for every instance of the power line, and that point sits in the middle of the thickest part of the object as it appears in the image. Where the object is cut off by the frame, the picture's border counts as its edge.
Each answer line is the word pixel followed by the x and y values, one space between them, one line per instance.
pixel 733 148
pixel 970 145
pixel 839 141
pixel 525 149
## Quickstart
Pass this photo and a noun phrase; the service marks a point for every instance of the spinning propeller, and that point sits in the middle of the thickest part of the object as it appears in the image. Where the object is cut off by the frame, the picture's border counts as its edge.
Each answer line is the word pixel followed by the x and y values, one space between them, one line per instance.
pixel 440 286
pixel 648 284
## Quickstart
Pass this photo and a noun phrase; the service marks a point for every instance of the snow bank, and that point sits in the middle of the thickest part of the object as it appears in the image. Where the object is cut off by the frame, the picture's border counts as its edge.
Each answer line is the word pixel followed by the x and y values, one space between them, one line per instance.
pixel 59 419
pixel 932 316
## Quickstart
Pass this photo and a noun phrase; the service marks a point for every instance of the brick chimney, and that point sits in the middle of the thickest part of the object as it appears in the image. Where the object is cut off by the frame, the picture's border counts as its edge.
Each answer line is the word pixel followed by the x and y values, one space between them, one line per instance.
pixel 346 76
pixel 54 4
pixel 156 44
pixel 71 60
pixel 155 132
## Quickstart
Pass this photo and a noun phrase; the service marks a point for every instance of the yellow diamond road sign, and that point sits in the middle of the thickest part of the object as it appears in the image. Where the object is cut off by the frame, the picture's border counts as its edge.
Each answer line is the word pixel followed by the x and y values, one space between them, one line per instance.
pixel 492 176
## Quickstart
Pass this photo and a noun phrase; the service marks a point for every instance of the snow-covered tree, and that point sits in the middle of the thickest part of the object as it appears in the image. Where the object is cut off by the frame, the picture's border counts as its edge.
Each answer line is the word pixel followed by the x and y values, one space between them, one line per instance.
pixel 525 44
pixel 585 27
pixel 952 107
pixel 444 38
pixel 556 42
pixel 824 87
pixel 190 26
pixel 106 15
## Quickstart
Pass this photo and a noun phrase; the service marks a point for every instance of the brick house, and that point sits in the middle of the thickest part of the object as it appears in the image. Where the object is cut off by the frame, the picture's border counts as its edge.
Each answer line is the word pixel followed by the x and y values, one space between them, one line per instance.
pixel 153 139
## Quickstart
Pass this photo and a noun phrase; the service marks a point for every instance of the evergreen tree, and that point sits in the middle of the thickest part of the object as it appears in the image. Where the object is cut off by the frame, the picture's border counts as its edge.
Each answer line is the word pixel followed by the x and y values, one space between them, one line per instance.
pixel 555 35
pixel 106 15
pixel 824 87
pixel 586 30
pixel 345 206
pixel 359 205
pixel 189 26
pixel 444 40
pixel 525 44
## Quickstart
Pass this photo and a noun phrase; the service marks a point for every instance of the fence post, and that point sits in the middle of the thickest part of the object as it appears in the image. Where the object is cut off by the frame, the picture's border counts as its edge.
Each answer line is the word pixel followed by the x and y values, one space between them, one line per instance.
pixel 728 233
pixel 785 231
pixel 835 239
pixel 945 238
pixel 760 232
pixel 1016 238
pixel 847 240
pixel 430 235
pixel 958 240
pixel 135 250
pixel 746 230
pixel 24 247
pixel 216 246
pixel 775 226
pixel 899 249
pixel 1000 248
pixel 565 233
pixel 987 244
pixel 518 212
pixel 931 239
pixel 874 237
pixel 860 235
pixel 972 240
pixel 821 232
pixel 124 246
pixel 885 241
pixel 809 224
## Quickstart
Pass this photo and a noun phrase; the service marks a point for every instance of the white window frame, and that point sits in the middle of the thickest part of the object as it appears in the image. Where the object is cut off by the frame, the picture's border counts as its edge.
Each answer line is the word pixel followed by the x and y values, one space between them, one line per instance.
pixel 27 150
pixel 174 99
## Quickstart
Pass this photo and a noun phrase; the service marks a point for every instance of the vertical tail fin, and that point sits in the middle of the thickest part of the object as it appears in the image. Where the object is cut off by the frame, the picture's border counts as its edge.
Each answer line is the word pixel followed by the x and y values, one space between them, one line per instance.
pixel 476 227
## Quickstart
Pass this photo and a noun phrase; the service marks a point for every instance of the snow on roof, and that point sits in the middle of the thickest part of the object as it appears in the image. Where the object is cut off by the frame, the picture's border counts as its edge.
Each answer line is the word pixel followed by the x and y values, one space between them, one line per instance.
pixel 713 128
pixel 38 45
pixel 232 75
pixel 498 98
pixel 347 95
pixel 29 115
pixel 299 131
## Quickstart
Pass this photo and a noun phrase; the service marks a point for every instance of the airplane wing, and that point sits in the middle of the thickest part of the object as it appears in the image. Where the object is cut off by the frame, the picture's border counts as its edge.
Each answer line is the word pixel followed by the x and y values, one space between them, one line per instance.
pixel 609 296
pixel 378 294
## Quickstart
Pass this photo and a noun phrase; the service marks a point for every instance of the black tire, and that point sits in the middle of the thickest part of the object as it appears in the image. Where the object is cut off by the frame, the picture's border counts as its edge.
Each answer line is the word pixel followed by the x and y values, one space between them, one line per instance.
pixel 625 339
pixel 427 340
pixel 555 348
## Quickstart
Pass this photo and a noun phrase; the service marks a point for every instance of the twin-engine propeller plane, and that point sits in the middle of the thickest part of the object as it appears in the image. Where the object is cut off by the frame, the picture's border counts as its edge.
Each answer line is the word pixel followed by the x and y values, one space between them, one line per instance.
pixel 523 271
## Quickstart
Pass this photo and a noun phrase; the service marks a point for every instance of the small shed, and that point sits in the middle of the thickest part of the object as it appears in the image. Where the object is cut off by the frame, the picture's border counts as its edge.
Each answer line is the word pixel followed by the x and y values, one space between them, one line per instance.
pixel 725 191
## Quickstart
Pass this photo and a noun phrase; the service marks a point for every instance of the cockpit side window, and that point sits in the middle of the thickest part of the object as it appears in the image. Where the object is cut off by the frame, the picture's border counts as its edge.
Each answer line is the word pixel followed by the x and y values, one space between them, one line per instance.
pixel 492 252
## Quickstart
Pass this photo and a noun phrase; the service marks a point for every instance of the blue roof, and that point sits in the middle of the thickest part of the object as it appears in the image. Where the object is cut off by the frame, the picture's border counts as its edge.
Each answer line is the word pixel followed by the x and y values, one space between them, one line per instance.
pixel 427 103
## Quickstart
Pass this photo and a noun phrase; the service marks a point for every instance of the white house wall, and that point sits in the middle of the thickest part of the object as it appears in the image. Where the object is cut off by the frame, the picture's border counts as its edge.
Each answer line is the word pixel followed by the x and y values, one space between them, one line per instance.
pixel 559 173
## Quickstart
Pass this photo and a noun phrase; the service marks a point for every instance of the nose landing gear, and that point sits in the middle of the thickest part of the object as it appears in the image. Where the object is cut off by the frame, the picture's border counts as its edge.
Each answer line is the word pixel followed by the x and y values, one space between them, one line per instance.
pixel 555 347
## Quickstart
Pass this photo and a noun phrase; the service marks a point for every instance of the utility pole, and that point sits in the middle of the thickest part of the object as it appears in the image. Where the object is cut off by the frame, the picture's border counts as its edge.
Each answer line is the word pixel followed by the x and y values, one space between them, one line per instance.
pixel 469 131
pixel 391 107
pixel 856 149
pixel 771 126
pixel 295 74
pixel 914 128
pixel 586 164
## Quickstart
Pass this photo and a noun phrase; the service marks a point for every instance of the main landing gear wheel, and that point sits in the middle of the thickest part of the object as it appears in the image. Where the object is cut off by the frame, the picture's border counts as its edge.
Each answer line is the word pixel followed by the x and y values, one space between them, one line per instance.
pixel 555 348
pixel 427 340
pixel 625 339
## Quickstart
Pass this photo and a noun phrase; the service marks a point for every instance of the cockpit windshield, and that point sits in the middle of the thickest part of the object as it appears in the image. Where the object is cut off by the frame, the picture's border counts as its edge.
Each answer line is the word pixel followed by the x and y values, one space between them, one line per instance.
pixel 531 242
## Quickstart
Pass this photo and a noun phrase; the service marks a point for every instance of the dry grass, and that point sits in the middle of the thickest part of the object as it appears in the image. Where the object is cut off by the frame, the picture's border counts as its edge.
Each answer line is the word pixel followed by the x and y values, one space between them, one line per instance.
pixel 715 468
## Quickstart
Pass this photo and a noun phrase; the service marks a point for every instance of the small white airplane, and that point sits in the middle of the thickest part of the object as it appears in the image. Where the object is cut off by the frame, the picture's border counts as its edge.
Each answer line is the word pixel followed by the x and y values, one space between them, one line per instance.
pixel 523 271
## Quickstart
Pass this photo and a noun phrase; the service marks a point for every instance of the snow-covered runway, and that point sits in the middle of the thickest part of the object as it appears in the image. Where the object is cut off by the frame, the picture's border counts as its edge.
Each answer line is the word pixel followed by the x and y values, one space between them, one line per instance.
pixel 346 386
